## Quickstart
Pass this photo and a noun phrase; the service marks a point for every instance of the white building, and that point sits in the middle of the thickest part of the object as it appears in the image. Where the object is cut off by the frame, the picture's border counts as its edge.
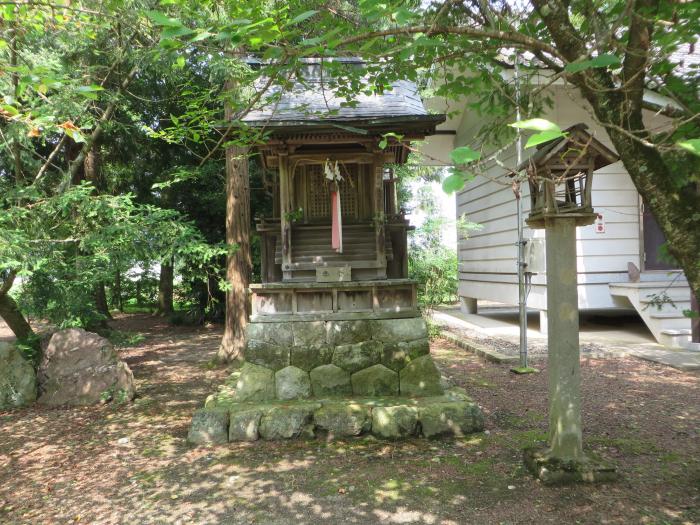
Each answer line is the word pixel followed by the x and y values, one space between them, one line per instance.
pixel 625 234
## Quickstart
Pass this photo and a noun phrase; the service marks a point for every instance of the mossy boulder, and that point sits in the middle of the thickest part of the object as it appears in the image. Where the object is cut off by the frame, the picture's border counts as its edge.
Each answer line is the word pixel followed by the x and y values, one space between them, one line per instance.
pixel 452 418
pixel 266 354
pixel 376 380
pixel 209 426
pixel 399 330
pixel 420 377
pixel 309 357
pixel 288 421
pixel 344 419
pixel 394 422
pixel 255 383
pixel 330 381
pixel 357 356
pixel 82 368
pixel 292 383
pixel 348 332
pixel 17 378
pixel 397 355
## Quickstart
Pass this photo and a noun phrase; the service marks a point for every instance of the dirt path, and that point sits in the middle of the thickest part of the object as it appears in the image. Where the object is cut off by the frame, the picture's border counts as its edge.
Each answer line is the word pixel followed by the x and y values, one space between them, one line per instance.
pixel 132 465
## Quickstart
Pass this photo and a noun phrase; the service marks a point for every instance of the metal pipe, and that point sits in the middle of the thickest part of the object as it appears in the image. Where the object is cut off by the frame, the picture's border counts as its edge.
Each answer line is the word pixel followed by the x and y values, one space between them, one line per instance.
pixel 522 293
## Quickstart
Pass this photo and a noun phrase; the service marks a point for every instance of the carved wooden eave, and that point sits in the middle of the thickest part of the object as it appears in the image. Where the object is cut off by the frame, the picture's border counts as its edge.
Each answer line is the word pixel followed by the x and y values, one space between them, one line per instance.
pixel 358 136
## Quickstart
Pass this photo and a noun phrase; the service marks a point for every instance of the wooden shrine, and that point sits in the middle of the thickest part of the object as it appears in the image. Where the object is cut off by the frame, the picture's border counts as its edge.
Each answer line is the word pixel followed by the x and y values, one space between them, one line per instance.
pixel 303 274
pixel 336 346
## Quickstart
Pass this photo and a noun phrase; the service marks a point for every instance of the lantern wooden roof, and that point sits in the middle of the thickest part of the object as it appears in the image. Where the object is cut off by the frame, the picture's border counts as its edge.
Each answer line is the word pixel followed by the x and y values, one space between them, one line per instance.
pixel 551 153
pixel 560 176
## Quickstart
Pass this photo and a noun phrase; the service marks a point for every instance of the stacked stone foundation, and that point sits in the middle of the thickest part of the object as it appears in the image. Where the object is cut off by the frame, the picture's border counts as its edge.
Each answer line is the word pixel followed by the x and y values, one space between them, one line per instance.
pixel 339 378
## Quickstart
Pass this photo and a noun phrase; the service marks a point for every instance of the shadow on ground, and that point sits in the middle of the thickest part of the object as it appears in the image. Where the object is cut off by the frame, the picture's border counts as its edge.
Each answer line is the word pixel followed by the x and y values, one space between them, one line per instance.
pixel 131 464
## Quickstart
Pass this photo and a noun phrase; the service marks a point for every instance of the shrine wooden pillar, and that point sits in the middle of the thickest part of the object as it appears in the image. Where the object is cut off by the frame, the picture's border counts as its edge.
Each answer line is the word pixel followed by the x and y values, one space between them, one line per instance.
pixel 378 215
pixel 285 209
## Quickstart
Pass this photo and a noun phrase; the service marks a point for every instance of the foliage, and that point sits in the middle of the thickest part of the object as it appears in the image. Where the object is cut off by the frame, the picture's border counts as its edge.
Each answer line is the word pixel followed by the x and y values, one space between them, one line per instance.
pixel 436 271
pixel 144 84
pixel 63 245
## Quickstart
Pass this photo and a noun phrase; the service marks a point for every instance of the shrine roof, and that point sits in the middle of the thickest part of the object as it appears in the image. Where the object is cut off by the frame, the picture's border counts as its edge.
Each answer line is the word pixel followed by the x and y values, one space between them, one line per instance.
pixel 312 100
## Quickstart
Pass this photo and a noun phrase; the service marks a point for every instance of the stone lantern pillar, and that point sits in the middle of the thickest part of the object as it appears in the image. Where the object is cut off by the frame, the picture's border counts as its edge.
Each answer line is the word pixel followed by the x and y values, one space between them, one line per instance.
pixel 561 175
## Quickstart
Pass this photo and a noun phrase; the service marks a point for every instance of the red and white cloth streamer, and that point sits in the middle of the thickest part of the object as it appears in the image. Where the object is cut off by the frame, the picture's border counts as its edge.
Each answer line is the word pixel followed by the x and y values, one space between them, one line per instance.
pixel 333 174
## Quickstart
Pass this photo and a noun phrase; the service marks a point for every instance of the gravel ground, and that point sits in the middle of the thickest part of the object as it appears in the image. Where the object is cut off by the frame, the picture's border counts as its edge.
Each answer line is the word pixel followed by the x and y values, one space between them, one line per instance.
pixel 131 464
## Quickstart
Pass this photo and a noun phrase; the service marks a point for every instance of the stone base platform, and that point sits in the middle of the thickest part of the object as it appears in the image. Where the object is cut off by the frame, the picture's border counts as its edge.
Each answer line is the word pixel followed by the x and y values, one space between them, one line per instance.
pixel 553 471
pixel 450 414
pixel 339 377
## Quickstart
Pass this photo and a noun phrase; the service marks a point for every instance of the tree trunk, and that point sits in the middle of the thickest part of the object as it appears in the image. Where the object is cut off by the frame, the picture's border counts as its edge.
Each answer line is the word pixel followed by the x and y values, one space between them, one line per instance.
pixel 139 298
pixel 695 321
pixel 10 313
pixel 101 300
pixel 238 261
pixel 675 209
pixel 117 291
pixel 165 289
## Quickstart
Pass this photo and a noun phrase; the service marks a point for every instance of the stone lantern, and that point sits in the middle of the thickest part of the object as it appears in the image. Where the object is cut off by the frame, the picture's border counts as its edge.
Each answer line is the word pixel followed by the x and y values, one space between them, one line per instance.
pixel 561 179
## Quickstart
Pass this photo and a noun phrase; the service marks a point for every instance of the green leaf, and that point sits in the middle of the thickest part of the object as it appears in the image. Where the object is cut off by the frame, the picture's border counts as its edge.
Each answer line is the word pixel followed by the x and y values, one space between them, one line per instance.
pixel 10 109
pixel 691 145
pixel 605 61
pixel 536 124
pixel 89 89
pixel 542 137
pixel 75 134
pixel 453 183
pixel 464 155
pixel 597 62
pixel 161 19
pixel 201 36
pixel 403 16
pixel 301 17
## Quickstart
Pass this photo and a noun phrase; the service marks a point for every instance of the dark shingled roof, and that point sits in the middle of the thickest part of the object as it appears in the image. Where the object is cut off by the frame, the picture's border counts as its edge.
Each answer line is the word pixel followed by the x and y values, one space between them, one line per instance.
pixel 313 102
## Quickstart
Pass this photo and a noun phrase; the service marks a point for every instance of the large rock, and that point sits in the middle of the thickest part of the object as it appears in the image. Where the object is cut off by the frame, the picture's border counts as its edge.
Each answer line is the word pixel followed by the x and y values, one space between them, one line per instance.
pixel 266 354
pixel 452 418
pixel 292 383
pixel 209 426
pixel 399 330
pixel 394 422
pixel 397 355
pixel 275 333
pixel 82 368
pixel 309 357
pixel 255 383
pixel 348 332
pixel 420 377
pixel 17 378
pixel 344 419
pixel 376 380
pixel 357 356
pixel 286 422
pixel 244 424
pixel 330 381
pixel 309 333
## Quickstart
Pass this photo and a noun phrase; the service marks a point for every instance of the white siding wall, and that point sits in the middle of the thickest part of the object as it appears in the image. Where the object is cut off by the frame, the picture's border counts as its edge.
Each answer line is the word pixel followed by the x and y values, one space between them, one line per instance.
pixel 488 256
